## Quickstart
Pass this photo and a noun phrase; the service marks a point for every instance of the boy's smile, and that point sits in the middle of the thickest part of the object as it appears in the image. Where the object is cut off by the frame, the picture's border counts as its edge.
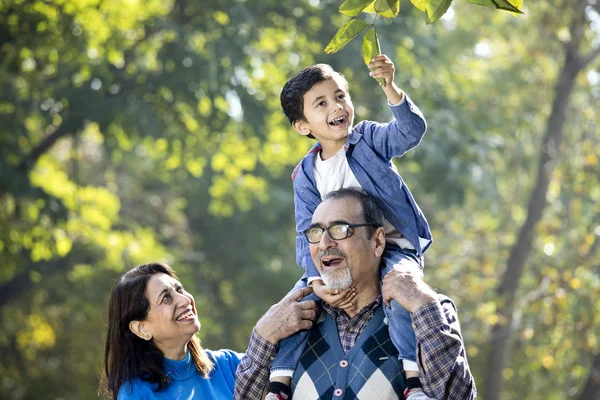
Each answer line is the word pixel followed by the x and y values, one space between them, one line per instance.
pixel 328 115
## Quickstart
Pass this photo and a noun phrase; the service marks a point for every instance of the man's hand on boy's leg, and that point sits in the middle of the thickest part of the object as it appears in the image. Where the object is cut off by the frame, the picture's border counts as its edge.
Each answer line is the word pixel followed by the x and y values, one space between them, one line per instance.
pixel 406 286
pixel 343 299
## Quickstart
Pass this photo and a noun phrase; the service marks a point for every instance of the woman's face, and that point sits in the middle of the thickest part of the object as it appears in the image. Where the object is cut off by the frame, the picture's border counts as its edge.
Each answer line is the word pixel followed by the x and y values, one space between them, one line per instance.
pixel 172 319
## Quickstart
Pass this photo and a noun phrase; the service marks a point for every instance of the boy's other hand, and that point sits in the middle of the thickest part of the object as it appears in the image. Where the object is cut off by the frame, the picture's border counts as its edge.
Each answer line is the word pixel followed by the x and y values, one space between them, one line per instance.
pixel 343 299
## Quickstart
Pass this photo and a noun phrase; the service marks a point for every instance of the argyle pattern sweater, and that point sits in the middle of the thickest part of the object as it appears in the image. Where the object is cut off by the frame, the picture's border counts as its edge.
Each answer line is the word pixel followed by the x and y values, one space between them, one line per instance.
pixel 370 370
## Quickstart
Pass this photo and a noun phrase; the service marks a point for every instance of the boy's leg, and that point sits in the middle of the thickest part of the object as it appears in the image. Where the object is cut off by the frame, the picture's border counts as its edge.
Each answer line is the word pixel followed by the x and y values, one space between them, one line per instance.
pixel 400 327
pixel 290 349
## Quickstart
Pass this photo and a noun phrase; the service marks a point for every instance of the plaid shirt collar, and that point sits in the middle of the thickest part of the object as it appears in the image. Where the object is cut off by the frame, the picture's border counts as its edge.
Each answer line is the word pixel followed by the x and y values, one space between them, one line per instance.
pixel 350 328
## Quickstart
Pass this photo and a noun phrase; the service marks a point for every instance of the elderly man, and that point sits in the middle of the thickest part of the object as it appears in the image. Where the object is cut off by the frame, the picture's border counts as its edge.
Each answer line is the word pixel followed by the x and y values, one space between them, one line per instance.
pixel 349 354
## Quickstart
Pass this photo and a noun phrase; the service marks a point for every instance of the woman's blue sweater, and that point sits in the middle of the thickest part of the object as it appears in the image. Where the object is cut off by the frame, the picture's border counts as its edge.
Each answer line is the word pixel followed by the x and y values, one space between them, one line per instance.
pixel 186 382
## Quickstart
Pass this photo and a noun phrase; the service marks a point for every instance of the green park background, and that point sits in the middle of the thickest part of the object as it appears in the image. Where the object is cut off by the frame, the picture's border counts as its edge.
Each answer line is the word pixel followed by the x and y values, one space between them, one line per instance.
pixel 141 130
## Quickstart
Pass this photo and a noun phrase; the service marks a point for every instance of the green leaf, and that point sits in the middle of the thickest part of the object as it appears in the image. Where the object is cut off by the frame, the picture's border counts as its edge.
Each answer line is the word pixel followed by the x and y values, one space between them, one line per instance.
pixel 508 6
pixel 370 49
pixel 485 3
pixel 352 8
pixel 394 6
pixel 434 8
pixel 439 11
pixel 420 4
pixel 345 34
pixel 517 3
pixel 512 5
pixel 385 8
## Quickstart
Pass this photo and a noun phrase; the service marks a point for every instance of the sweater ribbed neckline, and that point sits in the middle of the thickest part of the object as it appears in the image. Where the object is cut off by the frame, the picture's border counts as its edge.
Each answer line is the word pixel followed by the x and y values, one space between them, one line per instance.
pixel 180 370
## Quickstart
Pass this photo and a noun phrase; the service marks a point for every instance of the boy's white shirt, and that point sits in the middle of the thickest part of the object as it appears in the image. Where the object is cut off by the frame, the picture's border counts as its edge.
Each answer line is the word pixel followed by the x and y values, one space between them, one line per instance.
pixel 335 173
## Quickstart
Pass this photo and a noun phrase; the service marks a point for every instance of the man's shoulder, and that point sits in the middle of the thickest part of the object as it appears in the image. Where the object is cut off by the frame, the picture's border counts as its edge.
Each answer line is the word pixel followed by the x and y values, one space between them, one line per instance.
pixel 448 306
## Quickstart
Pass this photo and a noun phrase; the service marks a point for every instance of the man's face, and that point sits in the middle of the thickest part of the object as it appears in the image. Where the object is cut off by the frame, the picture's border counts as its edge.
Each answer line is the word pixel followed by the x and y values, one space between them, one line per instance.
pixel 350 261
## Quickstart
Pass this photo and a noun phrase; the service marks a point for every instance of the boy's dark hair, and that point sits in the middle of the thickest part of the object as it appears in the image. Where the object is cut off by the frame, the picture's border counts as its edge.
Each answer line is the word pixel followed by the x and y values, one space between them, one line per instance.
pixel 292 94
pixel 372 214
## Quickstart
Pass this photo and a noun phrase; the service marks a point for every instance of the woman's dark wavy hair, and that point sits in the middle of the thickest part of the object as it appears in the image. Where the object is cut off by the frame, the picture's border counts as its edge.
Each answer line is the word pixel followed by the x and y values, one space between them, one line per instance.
pixel 126 356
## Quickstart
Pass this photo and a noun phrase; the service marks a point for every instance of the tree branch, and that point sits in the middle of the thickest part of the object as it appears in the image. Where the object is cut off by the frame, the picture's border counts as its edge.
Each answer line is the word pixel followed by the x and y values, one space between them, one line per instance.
pixel 29 161
pixel 590 57
pixel 21 285
pixel 528 299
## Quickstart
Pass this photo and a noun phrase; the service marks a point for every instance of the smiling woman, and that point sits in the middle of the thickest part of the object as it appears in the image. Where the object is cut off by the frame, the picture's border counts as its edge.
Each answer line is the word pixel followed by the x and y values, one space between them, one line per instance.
pixel 151 349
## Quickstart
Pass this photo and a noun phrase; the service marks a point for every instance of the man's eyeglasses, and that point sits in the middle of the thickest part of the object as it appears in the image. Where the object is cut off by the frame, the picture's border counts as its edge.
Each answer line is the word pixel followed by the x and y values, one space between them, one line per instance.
pixel 336 231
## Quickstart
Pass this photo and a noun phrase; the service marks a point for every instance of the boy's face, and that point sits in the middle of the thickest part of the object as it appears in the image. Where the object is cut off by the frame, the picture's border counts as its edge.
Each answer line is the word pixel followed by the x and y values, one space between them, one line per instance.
pixel 328 113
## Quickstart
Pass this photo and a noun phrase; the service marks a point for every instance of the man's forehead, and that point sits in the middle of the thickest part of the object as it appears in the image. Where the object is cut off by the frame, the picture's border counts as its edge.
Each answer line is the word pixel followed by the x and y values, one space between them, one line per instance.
pixel 344 209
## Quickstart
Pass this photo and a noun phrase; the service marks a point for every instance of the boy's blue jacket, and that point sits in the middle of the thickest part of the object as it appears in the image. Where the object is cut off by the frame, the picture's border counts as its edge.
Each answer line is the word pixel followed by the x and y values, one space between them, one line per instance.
pixel 369 150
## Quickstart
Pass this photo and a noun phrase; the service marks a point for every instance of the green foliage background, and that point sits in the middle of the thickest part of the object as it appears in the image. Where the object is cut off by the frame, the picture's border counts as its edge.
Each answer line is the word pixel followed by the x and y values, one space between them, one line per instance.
pixel 134 131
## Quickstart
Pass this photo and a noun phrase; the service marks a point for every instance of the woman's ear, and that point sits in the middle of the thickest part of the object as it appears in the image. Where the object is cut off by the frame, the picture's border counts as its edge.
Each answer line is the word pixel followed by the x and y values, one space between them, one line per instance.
pixel 138 329
pixel 301 127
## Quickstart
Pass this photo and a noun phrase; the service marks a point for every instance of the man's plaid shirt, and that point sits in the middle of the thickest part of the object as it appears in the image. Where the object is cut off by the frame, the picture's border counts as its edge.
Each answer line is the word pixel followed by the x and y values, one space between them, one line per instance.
pixel 350 328
pixel 444 370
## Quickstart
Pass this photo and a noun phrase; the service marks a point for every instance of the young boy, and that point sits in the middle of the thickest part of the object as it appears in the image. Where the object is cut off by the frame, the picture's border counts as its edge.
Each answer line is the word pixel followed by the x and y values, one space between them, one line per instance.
pixel 318 105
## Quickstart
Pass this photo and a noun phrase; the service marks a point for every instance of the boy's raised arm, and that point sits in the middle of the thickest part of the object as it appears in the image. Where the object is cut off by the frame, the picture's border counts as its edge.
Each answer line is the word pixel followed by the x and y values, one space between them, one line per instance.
pixel 383 68
pixel 405 132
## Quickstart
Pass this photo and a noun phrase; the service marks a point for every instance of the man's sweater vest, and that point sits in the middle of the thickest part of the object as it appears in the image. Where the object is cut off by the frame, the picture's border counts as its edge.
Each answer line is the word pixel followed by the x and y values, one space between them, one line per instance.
pixel 371 369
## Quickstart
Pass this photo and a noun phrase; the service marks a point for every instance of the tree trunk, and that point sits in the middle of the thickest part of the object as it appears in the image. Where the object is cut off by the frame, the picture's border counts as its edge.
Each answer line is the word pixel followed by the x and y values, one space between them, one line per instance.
pixel 591 389
pixel 501 333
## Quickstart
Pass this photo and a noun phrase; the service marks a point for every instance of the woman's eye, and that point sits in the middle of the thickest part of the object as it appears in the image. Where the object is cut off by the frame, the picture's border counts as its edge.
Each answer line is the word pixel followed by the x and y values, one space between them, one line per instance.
pixel 321 103
pixel 166 297
pixel 180 289
pixel 341 96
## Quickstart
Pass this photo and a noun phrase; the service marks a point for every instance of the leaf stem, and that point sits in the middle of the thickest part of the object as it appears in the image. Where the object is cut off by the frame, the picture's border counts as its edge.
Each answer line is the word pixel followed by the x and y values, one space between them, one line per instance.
pixel 374 20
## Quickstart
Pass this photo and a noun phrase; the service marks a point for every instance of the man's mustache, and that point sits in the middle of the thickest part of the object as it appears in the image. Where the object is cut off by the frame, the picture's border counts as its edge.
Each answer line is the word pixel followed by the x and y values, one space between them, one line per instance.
pixel 332 253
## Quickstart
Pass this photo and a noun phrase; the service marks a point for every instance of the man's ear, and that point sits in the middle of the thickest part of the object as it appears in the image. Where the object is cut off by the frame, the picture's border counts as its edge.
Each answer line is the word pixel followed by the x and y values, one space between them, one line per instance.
pixel 138 329
pixel 379 240
pixel 301 127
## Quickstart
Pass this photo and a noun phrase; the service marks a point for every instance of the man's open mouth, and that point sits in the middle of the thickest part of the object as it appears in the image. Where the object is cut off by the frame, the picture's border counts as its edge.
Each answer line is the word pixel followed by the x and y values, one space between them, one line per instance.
pixel 331 262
